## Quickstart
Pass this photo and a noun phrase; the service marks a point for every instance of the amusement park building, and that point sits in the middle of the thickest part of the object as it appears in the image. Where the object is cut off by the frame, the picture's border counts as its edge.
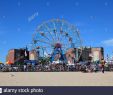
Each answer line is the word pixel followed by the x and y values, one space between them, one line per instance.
pixel 95 53
pixel 17 56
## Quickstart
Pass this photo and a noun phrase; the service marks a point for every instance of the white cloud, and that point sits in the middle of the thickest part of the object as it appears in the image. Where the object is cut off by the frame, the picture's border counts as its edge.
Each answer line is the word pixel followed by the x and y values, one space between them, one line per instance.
pixel 108 42
pixel 32 17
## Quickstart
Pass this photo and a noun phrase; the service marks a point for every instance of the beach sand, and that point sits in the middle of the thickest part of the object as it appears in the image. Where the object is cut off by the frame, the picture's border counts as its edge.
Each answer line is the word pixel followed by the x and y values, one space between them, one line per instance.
pixel 56 79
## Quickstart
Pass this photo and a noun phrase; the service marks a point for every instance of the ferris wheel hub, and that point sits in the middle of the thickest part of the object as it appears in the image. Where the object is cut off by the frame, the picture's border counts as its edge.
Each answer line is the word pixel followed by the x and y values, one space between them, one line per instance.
pixel 58 45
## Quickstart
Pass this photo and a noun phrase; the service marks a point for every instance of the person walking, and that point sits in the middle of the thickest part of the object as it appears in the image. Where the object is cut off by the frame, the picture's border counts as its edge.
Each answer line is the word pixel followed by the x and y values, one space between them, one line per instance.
pixel 102 65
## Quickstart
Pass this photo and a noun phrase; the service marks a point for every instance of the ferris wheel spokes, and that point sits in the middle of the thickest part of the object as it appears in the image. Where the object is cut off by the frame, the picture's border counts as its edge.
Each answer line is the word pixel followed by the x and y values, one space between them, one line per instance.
pixel 39 40
pixel 49 31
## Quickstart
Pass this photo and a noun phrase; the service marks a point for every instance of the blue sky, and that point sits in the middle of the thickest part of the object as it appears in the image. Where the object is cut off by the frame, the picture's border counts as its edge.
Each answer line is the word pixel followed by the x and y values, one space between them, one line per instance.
pixel 19 19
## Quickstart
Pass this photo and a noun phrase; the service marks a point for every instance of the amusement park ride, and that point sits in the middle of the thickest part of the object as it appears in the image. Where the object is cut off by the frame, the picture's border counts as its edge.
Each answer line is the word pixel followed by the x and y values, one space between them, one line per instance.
pixel 59 39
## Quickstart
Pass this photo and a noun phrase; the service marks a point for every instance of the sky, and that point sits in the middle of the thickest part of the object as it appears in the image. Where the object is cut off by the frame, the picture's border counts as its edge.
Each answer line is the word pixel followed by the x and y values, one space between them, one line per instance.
pixel 19 19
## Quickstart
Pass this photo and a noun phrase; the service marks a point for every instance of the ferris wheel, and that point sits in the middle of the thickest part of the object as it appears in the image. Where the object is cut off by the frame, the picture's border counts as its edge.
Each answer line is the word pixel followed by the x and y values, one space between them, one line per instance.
pixel 56 34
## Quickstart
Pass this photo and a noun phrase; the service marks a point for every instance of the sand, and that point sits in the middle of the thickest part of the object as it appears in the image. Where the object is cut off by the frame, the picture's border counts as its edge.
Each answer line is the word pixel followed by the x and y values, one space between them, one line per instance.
pixel 56 79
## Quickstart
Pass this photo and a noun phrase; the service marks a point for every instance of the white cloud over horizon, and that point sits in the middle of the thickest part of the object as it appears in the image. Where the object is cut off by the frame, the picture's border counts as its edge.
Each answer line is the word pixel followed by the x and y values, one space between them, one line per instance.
pixel 108 42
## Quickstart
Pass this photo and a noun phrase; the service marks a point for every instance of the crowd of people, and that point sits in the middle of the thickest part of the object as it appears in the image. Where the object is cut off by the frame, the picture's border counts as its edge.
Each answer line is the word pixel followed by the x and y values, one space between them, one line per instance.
pixel 49 67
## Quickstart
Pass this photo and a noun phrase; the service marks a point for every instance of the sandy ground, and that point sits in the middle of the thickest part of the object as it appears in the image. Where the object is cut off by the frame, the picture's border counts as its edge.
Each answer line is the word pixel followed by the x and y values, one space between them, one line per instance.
pixel 56 79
